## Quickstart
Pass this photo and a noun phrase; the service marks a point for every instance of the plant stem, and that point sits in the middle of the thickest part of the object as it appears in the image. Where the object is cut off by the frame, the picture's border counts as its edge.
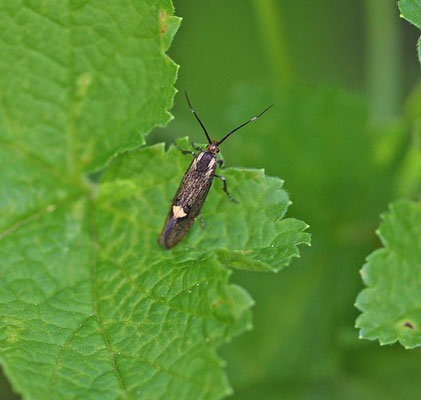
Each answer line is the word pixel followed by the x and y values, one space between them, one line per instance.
pixel 383 55
pixel 268 16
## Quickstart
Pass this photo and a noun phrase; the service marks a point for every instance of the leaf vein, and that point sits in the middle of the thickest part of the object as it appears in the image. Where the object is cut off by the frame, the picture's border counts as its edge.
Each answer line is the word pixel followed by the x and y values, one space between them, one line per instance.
pixel 95 301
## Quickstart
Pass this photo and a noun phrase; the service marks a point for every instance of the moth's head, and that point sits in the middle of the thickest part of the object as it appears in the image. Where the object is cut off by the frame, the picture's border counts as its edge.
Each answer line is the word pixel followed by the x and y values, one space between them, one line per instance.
pixel 213 147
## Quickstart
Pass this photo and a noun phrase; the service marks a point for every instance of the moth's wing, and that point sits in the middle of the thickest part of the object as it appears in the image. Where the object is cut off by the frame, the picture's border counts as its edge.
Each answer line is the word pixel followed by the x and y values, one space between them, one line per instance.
pixel 174 230
pixel 187 203
pixel 183 213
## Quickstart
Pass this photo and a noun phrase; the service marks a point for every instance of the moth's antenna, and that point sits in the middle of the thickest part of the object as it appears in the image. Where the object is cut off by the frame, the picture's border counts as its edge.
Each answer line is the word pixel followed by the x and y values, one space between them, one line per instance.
pixel 245 123
pixel 197 117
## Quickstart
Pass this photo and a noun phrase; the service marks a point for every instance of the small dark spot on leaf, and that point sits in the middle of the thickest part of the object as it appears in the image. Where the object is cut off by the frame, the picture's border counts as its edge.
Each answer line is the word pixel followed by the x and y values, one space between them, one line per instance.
pixel 409 325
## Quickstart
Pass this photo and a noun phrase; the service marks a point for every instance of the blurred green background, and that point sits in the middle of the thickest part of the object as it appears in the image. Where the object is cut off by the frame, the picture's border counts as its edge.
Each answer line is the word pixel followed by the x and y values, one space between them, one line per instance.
pixel 340 73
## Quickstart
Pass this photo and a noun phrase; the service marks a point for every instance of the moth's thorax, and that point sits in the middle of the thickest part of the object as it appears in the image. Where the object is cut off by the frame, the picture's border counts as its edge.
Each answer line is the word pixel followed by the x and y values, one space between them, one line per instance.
pixel 205 161
pixel 213 147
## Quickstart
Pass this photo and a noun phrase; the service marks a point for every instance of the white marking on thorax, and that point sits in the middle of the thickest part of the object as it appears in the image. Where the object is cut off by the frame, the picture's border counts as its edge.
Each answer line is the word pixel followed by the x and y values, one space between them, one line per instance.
pixel 178 212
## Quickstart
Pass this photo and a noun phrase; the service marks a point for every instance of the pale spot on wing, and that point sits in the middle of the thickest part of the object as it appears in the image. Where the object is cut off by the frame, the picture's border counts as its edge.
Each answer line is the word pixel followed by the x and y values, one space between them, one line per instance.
pixel 178 212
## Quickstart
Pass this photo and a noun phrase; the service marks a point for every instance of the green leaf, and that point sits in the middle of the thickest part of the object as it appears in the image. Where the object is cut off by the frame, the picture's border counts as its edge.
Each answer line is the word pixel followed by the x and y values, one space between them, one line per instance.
pixel 411 11
pixel 391 303
pixel 124 313
pixel 116 318
pixel 83 80
pixel 90 305
pixel 78 83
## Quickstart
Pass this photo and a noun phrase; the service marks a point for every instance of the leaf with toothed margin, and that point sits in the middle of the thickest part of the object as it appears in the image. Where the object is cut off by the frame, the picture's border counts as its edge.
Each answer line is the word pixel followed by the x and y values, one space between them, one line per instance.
pixel 125 314
pixel 252 234
pixel 90 306
pixel 178 302
pixel 78 84
pixel 391 302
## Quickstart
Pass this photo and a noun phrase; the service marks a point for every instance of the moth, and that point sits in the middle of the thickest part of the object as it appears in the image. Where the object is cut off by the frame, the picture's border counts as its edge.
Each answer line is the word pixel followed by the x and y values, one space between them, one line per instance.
pixel 194 187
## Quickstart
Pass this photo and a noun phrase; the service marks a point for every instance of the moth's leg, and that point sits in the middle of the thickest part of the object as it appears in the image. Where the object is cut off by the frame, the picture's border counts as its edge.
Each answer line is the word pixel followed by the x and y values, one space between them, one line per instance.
pixel 195 147
pixel 185 151
pixel 220 162
pixel 202 221
pixel 225 187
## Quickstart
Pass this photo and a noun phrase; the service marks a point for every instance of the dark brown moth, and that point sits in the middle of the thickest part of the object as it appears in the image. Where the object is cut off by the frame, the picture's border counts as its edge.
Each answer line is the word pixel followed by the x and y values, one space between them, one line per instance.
pixel 194 187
